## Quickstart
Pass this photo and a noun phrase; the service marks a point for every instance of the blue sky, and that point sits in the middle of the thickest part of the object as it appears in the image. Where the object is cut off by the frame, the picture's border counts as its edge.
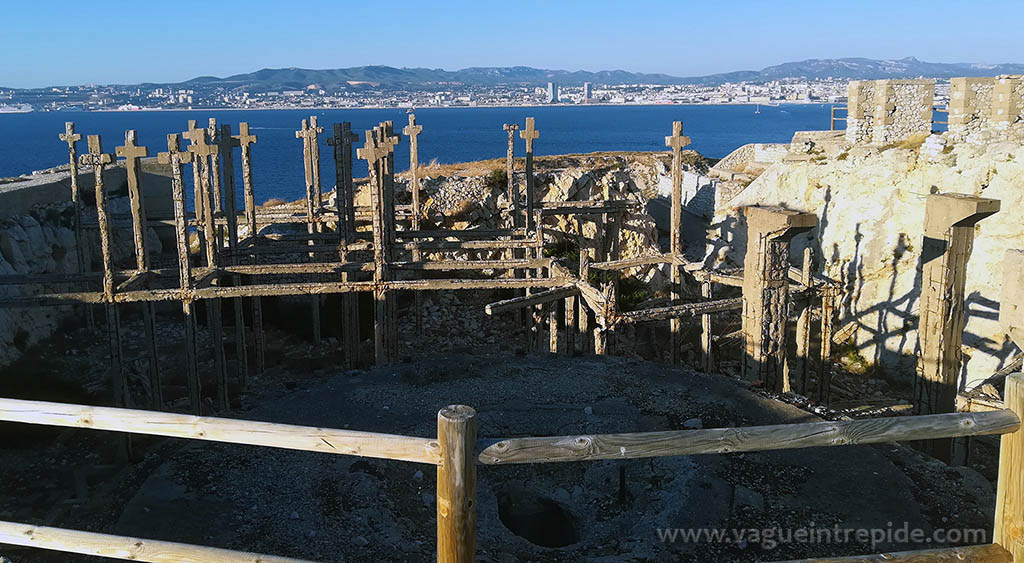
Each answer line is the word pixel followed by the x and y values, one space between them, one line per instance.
pixel 54 42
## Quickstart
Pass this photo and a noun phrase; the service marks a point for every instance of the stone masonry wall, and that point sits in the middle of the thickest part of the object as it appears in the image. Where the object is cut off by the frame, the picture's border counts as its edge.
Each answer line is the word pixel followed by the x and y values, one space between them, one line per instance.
pixel 860 95
pixel 986 109
pixel 902 108
pixel 884 111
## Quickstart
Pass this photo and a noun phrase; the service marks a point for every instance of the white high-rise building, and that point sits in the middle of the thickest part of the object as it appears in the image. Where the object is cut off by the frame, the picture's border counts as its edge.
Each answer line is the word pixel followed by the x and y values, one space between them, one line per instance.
pixel 552 94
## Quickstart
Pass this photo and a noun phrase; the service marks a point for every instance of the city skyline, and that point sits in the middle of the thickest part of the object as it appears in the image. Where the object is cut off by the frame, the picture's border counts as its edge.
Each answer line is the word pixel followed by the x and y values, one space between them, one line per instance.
pixel 652 37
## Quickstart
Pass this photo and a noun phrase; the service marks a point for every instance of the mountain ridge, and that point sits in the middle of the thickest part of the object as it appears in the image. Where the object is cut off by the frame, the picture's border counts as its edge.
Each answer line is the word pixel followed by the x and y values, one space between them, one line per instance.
pixel 372 76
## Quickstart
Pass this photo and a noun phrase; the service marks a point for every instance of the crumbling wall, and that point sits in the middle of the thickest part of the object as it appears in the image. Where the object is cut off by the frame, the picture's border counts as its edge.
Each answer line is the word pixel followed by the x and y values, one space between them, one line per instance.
pixel 885 111
pixel 902 108
pixel 860 96
pixel 37 237
pixel 986 109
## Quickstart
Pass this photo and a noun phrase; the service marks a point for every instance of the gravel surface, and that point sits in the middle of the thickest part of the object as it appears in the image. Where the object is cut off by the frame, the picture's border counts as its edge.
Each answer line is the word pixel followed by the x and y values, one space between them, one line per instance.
pixel 334 508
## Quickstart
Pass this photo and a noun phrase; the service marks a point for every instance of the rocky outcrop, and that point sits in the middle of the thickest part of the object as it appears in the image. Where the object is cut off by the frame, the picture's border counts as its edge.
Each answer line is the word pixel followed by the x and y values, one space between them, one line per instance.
pixel 468 196
pixel 870 206
pixel 42 242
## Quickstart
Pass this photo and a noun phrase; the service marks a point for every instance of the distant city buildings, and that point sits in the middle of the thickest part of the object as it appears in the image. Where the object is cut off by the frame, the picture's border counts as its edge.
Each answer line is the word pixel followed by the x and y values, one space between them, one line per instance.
pixel 219 95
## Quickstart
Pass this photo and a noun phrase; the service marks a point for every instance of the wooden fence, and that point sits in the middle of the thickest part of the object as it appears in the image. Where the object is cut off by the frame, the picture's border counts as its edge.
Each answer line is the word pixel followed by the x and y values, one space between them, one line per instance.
pixel 456 453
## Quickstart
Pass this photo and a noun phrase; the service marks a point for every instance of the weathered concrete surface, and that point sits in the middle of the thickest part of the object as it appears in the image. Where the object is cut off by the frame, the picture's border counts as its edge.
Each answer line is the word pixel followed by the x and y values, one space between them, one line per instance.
pixel 1011 310
pixel 334 508
pixel 950 221
pixel 37 237
pixel 766 291
pixel 870 203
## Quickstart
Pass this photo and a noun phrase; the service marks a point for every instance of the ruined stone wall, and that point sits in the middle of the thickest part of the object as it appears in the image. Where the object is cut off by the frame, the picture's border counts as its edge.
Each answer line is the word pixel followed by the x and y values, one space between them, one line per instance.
pixel 885 111
pixel 986 109
pixel 860 95
pixel 902 108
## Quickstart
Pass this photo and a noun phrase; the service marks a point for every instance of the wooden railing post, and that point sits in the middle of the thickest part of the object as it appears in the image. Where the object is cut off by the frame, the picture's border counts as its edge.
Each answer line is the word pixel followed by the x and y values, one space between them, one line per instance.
pixel 1009 521
pixel 456 485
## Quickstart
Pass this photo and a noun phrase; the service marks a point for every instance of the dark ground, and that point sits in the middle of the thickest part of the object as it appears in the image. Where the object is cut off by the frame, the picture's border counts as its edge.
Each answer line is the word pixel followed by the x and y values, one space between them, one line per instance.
pixel 334 508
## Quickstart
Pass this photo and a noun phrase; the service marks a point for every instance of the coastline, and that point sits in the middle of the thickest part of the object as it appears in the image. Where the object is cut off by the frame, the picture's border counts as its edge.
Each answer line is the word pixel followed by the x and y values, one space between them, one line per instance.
pixel 323 108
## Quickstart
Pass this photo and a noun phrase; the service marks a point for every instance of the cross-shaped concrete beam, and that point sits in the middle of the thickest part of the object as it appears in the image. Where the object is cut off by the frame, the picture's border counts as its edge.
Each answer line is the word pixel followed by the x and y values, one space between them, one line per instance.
pixel 308 134
pixel 412 131
pixel 199 140
pixel 529 134
pixel 243 137
pixel 203 203
pixel 175 157
pixel 342 134
pixel 388 140
pixel 677 141
pixel 513 191
pixel 342 141
pixel 370 151
pixel 69 136
pixel 95 156
pixel 131 153
pixel 245 141
pixel 98 160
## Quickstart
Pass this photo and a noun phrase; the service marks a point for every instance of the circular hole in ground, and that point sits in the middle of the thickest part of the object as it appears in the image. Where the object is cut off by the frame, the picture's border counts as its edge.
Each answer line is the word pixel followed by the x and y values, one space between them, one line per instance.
pixel 537 519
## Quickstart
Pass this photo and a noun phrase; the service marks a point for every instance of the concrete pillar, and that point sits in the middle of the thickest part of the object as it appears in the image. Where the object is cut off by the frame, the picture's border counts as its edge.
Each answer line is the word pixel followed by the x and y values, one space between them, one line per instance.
pixel 766 290
pixel 1005 105
pixel 1011 303
pixel 948 239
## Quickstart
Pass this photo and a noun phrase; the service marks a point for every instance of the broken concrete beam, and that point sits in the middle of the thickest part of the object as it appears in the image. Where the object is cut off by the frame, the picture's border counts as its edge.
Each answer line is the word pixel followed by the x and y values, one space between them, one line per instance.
pixel 948 240
pixel 766 290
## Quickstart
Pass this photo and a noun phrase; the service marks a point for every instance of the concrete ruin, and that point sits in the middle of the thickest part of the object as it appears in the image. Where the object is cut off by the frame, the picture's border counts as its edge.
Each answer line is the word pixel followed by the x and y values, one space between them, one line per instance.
pixel 352 245
pixel 772 270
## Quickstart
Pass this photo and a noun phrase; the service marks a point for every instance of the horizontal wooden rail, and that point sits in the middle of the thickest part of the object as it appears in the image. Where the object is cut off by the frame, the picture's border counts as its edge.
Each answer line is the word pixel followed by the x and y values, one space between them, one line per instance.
pixel 676 311
pixel 548 296
pixel 633 262
pixel 749 439
pixel 272 290
pixel 991 553
pixel 120 547
pixel 453 245
pixel 452 265
pixel 462 233
pixel 269 434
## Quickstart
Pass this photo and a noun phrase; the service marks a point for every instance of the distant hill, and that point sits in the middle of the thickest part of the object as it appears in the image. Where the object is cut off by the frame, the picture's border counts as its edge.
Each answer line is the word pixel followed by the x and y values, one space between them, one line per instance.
pixel 364 77
pixel 275 79
pixel 856 68
pixel 372 76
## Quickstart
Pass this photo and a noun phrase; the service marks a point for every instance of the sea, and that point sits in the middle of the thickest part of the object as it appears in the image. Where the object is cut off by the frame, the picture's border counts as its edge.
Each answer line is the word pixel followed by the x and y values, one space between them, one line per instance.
pixel 29 141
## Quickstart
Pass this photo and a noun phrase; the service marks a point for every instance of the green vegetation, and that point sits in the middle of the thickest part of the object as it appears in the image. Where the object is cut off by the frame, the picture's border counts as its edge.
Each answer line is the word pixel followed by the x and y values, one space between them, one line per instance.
pixel 632 292
pixel 496 179
pixel 853 361
pixel 563 249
